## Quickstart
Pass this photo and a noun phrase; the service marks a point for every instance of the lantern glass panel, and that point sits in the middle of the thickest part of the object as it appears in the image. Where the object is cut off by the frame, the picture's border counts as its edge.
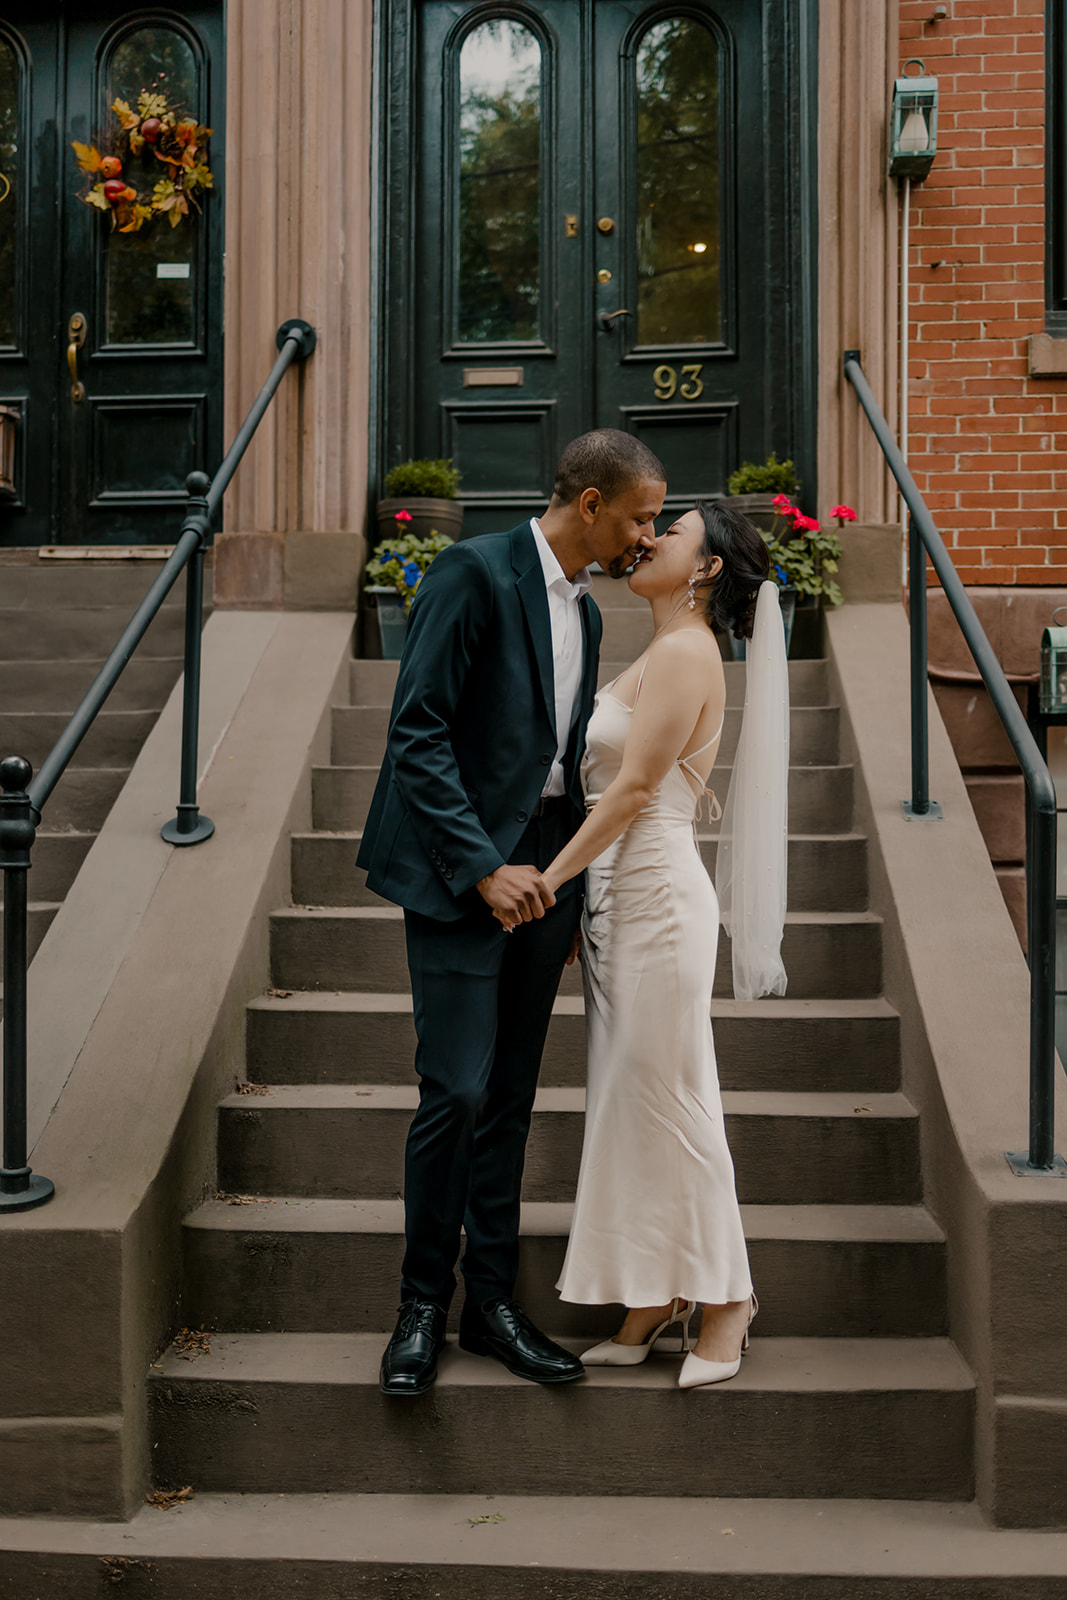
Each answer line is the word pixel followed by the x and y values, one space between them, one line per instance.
pixel 1053 695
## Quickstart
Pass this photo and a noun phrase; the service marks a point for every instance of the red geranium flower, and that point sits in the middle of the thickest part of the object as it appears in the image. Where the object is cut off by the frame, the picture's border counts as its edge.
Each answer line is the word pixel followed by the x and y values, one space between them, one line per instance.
pixel 805 524
pixel 843 513
pixel 782 502
pixel 403 516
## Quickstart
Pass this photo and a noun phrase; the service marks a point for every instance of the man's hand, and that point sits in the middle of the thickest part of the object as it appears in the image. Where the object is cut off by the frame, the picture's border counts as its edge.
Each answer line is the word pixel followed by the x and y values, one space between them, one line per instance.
pixel 576 947
pixel 515 894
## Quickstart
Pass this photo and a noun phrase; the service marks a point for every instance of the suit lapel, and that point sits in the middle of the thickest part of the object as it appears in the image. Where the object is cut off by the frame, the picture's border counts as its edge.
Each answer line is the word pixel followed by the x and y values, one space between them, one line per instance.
pixel 534 597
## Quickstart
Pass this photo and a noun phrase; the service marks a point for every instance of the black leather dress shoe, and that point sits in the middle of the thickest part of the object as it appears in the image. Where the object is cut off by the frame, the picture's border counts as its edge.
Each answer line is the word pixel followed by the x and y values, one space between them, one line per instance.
pixel 409 1365
pixel 502 1329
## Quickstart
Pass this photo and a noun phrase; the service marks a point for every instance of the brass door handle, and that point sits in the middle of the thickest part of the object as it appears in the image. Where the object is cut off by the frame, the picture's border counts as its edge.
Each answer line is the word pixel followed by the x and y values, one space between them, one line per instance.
pixel 607 318
pixel 76 335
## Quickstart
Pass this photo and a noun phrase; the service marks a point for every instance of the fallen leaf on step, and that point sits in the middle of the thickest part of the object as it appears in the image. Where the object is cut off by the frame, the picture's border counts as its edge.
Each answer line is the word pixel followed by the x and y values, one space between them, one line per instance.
pixel 253 1088
pixel 166 1498
pixel 494 1516
pixel 861 1108
pixel 279 994
pixel 192 1342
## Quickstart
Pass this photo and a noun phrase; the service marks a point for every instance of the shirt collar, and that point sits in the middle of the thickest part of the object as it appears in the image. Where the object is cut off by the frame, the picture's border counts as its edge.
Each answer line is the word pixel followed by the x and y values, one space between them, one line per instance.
pixel 555 577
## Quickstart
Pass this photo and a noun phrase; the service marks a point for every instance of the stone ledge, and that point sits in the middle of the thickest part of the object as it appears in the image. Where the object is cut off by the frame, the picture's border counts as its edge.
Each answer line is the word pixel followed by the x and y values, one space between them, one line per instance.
pixel 1048 356
pixel 298 571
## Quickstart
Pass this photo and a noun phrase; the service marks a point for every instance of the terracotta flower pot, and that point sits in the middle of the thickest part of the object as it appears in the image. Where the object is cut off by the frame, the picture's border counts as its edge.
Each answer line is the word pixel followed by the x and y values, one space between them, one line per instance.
pixel 427 513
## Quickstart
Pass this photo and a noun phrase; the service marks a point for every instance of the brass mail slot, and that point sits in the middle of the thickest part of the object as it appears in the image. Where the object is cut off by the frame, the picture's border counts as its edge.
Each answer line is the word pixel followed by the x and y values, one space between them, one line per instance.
pixel 493 377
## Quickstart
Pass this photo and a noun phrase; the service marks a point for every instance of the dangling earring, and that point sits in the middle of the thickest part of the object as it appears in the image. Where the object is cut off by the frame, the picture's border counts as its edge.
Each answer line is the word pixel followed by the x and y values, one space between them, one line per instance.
pixel 692 601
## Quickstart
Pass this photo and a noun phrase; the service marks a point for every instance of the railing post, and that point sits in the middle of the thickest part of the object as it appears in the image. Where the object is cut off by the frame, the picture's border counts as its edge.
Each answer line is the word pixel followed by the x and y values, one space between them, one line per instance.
pixel 20 1187
pixel 920 731
pixel 189 827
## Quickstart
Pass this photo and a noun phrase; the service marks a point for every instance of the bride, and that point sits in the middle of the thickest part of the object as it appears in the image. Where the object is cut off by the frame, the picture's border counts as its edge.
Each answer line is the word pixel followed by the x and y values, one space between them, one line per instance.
pixel 656 1221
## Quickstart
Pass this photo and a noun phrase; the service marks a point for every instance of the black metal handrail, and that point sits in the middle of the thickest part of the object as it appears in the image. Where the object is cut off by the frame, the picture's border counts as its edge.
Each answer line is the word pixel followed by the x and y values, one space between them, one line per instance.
pixel 23 796
pixel 924 540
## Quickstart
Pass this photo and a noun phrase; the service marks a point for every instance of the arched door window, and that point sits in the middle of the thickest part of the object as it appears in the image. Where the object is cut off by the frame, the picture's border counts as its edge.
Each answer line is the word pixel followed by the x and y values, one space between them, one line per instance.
pixel 678 181
pixel 151 281
pixel 499 278
pixel 11 195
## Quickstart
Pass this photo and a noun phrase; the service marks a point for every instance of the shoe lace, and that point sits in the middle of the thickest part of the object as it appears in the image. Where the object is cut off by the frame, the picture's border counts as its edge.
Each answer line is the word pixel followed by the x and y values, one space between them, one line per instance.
pixel 415 1314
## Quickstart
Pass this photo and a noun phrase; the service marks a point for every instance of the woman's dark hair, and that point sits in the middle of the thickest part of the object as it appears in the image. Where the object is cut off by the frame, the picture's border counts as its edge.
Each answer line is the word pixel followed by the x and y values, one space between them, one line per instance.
pixel 731 594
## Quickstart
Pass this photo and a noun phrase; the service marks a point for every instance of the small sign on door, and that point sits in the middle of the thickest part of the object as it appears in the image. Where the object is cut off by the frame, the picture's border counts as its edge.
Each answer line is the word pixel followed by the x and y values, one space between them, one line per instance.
pixel 172 269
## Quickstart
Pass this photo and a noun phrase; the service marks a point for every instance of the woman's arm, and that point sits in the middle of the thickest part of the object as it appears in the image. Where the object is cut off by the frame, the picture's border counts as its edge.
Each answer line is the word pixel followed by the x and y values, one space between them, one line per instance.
pixel 682 677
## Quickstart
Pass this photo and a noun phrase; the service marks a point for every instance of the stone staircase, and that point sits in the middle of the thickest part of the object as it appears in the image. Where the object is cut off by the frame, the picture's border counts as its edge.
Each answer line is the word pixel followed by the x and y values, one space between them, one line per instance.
pixel 852 1390
pixel 58 622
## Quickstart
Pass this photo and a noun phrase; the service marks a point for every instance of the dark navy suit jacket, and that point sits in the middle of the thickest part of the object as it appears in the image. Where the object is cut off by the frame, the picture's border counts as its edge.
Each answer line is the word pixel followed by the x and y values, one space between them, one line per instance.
pixel 472 732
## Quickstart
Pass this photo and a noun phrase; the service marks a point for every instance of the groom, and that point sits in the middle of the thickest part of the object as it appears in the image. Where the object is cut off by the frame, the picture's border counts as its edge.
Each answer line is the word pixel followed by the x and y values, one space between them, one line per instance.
pixel 479 790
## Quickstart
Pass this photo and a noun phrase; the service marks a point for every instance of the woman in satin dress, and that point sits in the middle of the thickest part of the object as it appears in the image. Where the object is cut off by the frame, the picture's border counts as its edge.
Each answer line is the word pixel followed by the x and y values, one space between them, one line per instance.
pixel 656 1222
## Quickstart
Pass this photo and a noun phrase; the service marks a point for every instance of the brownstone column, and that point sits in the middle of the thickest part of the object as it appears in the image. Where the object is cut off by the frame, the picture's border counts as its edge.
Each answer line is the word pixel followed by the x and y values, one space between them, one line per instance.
pixel 858 284
pixel 298 173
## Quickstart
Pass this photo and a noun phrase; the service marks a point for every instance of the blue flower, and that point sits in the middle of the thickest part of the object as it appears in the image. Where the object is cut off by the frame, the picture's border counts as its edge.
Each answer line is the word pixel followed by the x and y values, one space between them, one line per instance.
pixel 781 574
pixel 411 573
pixel 384 556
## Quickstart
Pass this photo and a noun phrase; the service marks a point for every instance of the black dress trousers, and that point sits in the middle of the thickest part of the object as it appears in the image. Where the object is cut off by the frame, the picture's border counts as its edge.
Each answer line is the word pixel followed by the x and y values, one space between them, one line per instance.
pixel 483 999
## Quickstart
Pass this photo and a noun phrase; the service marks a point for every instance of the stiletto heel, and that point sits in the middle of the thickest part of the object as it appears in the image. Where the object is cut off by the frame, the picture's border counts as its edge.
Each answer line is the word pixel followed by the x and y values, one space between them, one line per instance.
pixel 696 1372
pixel 611 1354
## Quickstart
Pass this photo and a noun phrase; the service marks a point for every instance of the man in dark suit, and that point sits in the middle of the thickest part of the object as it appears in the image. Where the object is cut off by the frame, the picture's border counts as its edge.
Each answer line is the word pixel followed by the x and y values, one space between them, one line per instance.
pixel 479 790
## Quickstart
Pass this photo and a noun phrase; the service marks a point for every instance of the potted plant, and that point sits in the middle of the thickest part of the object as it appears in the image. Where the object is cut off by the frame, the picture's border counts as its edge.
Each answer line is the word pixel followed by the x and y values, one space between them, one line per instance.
pixel 803 555
pixel 393 575
pixel 427 490
pixel 752 488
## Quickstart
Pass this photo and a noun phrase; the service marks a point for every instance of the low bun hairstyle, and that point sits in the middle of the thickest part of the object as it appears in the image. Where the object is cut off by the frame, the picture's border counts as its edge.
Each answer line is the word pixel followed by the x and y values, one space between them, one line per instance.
pixel 731 594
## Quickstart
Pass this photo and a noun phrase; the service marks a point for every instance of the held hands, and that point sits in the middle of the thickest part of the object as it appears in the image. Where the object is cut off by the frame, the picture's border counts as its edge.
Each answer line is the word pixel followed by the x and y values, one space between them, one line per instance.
pixel 515 894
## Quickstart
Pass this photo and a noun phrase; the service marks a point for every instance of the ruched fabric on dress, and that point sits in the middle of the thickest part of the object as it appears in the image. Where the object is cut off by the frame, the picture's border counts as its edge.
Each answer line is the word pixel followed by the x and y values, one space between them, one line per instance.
pixel 656 1210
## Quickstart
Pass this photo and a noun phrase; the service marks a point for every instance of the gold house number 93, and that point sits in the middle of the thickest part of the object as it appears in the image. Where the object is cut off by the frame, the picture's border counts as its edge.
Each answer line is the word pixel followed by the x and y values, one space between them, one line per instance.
pixel 666 383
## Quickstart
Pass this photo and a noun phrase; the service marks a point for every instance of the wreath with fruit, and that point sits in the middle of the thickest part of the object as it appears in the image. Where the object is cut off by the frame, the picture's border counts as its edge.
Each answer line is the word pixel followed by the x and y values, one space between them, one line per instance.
pixel 176 140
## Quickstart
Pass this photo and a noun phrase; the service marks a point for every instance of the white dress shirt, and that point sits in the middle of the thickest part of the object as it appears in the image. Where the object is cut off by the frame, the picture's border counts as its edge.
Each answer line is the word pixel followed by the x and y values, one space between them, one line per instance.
pixel 567 649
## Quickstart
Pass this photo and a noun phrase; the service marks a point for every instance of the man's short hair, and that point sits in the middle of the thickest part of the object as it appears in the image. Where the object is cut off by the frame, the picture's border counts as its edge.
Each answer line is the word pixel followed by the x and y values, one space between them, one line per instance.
pixel 605 459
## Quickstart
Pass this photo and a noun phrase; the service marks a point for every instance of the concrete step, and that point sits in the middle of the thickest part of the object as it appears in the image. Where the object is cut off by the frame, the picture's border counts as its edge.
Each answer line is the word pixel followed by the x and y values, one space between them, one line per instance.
pixel 359 735
pixel 826 954
pixel 39 918
pixel 82 799
pixel 65 585
pixel 820 798
pixel 825 1045
pixel 826 872
pixel 372 682
pixel 332 1266
pixel 342 1142
pixel 114 740
pixel 626 632
pixel 302 1414
pixel 78 633
pixel 535 1547
pixel 57 858
pixel 61 685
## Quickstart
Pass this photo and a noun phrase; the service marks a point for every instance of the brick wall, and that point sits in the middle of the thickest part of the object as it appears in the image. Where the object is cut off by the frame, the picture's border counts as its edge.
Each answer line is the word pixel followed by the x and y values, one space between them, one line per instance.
pixel 988 442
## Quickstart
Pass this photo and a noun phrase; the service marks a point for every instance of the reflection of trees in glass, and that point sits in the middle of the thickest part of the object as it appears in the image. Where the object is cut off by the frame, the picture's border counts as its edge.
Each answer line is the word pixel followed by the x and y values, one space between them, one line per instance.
pixel 500 183
pixel 678 298
pixel 142 308
pixel 9 138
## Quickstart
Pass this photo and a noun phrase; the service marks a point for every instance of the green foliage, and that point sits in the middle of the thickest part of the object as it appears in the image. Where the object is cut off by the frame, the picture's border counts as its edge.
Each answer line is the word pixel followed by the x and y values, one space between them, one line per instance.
pixel 805 560
pixel 400 563
pixel 774 477
pixel 414 479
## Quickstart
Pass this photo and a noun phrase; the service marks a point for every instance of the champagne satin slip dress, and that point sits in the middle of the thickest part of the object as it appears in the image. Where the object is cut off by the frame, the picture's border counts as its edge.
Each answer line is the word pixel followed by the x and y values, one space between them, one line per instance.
pixel 656 1211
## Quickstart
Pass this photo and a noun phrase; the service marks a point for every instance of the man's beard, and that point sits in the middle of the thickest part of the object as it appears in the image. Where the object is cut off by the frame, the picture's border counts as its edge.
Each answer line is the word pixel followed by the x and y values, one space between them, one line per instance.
pixel 620 567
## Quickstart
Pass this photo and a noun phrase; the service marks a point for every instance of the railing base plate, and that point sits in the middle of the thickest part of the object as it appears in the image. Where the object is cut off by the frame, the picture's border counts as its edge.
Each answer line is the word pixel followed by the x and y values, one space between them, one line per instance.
pixel 1019 1162
pixel 37 1191
pixel 933 812
pixel 173 834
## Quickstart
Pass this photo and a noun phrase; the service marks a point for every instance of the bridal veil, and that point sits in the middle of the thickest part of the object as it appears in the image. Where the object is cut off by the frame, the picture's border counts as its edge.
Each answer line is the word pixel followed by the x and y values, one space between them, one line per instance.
pixel 750 873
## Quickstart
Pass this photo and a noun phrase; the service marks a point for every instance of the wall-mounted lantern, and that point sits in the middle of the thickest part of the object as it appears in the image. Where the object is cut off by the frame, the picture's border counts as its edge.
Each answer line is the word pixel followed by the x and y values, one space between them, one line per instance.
pixel 913 125
pixel 1053 695
pixel 9 418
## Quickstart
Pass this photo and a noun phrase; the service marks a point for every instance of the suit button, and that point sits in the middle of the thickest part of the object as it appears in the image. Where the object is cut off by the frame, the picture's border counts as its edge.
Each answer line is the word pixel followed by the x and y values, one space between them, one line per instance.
pixel 546 761
pixel 446 872
pixel 520 816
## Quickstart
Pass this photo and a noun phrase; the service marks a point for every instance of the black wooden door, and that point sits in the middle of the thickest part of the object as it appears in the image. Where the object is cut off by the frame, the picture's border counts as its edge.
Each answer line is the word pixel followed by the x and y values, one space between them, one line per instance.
pixel 597 219
pixel 110 341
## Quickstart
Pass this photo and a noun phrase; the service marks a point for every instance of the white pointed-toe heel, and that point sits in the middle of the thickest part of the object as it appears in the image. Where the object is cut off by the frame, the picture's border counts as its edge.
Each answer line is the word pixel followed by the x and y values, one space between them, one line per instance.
pixel 611 1354
pixel 696 1372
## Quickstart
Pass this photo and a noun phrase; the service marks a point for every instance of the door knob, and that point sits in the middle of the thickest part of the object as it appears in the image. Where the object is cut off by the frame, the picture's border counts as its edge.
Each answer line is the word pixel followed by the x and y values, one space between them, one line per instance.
pixel 607 318
pixel 76 338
